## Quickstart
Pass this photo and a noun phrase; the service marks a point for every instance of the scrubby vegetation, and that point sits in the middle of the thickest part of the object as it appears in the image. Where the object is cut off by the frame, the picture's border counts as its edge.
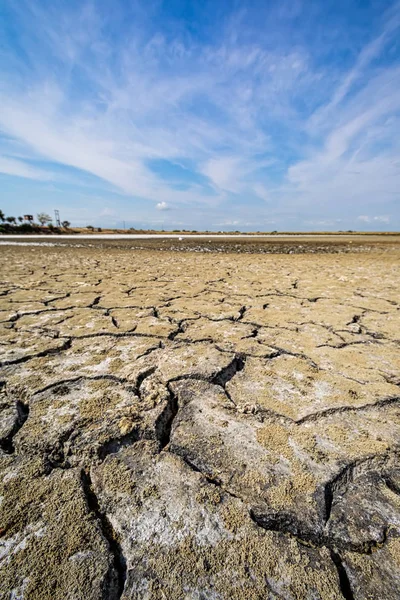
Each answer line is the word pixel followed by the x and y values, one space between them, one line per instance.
pixel 26 224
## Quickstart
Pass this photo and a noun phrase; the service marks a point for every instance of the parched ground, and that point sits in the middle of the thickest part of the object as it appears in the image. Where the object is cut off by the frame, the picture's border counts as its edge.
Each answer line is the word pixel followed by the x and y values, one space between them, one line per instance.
pixel 206 426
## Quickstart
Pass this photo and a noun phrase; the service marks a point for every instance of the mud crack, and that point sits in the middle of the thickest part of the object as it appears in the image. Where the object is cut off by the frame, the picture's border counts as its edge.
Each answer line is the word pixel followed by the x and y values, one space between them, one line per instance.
pixel 7 443
pixel 164 423
pixel 116 577
pixel 344 582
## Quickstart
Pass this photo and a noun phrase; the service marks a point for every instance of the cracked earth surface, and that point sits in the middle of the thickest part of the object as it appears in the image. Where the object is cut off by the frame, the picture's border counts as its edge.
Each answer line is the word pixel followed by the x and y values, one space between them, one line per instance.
pixel 189 426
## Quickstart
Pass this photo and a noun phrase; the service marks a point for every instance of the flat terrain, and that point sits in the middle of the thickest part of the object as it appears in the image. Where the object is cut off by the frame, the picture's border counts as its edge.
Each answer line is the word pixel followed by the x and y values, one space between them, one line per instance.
pixel 248 244
pixel 206 421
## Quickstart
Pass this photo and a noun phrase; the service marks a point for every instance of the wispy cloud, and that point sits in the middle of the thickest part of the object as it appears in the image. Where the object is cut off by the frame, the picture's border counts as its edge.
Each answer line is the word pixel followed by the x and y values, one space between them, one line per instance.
pixel 378 218
pixel 19 168
pixel 370 52
pixel 251 114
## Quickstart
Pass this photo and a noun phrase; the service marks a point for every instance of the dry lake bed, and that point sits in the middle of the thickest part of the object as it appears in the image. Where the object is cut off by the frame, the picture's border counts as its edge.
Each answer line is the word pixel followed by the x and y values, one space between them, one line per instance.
pixel 207 420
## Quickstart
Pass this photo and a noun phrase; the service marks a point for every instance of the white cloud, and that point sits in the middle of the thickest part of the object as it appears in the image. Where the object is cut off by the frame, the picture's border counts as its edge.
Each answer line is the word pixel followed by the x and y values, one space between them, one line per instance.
pixel 162 206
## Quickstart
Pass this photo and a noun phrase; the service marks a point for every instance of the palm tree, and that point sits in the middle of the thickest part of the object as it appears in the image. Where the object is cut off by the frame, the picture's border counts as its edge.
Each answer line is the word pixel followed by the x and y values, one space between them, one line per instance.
pixel 11 220
pixel 2 216
pixel 20 219
pixel 65 224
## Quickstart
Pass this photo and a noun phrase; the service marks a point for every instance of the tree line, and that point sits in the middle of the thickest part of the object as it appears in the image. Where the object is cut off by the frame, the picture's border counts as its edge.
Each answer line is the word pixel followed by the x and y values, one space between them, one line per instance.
pixel 43 218
pixel 26 224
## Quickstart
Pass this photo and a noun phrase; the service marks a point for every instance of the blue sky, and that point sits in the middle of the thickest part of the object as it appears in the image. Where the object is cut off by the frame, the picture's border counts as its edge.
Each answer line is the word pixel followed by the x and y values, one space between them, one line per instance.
pixel 258 115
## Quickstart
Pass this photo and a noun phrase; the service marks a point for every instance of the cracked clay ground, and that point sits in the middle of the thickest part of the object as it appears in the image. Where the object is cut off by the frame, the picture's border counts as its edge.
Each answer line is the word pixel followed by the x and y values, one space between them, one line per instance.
pixel 199 426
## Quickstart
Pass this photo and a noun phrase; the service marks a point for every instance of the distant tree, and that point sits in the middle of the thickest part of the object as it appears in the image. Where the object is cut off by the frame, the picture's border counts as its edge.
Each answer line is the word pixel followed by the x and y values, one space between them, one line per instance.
pixel 2 216
pixel 90 227
pixel 65 224
pixel 20 219
pixel 43 218
pixel 99 229
pixel 11 220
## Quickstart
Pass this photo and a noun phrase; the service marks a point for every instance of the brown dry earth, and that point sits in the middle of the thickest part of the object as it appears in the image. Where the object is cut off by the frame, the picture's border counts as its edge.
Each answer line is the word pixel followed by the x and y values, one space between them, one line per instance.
pixel 199 426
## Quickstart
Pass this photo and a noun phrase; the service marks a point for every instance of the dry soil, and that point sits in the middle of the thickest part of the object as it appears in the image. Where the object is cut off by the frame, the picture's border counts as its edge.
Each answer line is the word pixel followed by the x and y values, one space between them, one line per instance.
pixel 216 422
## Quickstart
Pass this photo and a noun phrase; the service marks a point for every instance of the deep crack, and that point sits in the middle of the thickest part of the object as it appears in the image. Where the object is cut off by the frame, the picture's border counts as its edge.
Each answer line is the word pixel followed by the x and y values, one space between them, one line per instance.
pixel 344 581
pixel 164 423
pixel 7 443
pixel 116 578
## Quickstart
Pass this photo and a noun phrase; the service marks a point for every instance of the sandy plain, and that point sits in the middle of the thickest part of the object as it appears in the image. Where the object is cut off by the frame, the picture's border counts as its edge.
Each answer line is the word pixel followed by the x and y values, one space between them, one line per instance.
pixel 210 420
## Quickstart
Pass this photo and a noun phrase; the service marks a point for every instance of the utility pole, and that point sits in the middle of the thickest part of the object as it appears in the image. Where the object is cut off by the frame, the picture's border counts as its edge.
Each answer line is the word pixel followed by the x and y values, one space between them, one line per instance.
pixel 57 218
